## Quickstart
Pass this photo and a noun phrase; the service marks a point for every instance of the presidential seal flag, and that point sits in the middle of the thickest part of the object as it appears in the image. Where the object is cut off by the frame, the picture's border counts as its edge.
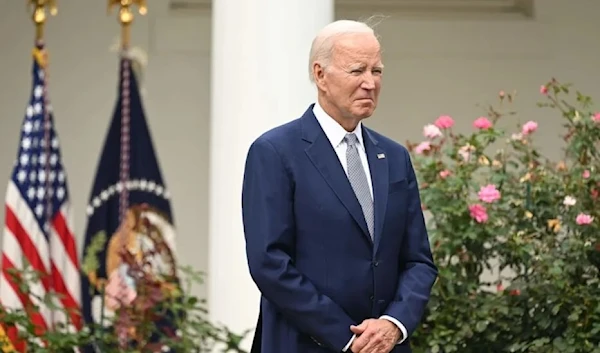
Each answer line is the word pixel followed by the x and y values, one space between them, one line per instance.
pixel 129 212
pixel 38 224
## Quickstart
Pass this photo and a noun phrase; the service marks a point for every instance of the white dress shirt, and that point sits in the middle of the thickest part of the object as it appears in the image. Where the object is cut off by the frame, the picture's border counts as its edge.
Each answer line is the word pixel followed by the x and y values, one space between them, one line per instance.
pixel 336 133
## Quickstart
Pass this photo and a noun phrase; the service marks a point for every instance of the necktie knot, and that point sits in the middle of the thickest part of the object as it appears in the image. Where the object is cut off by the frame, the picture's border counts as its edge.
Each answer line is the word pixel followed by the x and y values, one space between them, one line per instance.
pixel 351 139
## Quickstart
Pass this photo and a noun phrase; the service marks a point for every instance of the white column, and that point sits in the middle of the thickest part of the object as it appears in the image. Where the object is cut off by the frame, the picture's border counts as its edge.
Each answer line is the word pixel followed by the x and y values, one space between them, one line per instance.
pixel 260 80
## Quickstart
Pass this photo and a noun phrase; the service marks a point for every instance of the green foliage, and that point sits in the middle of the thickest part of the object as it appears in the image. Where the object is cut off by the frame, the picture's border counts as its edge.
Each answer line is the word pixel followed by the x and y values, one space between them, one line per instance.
pixel 515 234
pixel 157 307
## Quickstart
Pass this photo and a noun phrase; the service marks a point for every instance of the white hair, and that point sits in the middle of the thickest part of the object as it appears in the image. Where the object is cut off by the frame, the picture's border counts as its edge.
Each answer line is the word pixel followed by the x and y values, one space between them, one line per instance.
pixel 322 46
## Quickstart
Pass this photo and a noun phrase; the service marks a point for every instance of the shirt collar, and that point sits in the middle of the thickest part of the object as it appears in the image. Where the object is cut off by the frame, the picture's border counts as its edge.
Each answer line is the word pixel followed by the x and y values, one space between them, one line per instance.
pixel 333 130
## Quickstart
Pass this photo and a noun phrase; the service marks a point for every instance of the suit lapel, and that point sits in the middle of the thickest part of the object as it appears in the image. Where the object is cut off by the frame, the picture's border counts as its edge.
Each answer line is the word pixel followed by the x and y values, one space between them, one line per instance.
pixel 378 165
pixel 324 158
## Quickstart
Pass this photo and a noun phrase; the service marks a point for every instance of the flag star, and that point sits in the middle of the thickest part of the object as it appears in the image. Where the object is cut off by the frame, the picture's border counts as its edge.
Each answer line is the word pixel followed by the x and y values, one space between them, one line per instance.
pixel 41 74
pixel 96 202
pixel 40 193
pixel 37 108
pixel 39 210
pixel 24 159
pixel 159 190
pixel 55 142
pixel 34 159
pixel 143 184
pixel 26 143
pixel 31 193
pixel 42 175
pixel 50 192
pixel 53 159
pixel 36 125
pixel 37 91
pixel 21 176
pixel 89 210
pixel 32 176
pixel 42 157
pixel 52 176
pixel 36 142
pixel 27 127
pixel 61 177
pixel 104 195
pixel 60 193
pixel 29 111
pixel 151 186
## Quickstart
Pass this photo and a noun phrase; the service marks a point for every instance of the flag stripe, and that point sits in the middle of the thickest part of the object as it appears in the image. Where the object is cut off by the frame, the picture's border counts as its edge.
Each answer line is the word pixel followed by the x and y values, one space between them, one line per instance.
pixel 66 236
pixel 29 249
pixel 37 318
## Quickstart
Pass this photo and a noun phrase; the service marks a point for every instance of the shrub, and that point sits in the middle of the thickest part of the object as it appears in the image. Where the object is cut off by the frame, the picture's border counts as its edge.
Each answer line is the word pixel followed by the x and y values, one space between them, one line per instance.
pixel 515 234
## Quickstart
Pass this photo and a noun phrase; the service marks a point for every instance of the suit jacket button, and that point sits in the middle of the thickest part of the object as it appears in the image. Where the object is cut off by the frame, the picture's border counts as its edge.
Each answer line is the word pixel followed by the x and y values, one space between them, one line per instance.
pixel 376 263
pixel 371 298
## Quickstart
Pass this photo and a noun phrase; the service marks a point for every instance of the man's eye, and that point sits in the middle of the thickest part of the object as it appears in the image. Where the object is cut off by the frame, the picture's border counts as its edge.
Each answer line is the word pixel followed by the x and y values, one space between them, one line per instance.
pixel 356 71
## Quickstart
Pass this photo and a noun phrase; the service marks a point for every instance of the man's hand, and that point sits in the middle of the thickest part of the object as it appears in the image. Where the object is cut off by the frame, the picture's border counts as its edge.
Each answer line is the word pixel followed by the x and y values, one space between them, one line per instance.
pixel 375 336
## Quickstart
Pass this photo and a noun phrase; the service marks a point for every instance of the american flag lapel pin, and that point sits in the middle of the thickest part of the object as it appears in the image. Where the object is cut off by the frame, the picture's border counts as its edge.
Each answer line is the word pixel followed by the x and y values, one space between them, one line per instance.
pixel 380 156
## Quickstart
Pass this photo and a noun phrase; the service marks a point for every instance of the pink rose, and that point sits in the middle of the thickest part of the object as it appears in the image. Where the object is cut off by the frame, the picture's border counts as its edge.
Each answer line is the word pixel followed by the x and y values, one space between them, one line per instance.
pixel 422 147
pixel 465 151
pixel 596 117
pixel 444 122
pixel 478 213
pixel 489 193
pixel 444 173
pixel 543 89
pixel 431 131
pixel 482 123
pixel 529 127
pixel 584 219
pixel 586 174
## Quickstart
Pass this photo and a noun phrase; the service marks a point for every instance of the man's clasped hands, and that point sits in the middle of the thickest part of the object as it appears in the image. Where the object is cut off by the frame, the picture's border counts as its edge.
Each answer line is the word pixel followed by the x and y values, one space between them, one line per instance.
pixel 375 336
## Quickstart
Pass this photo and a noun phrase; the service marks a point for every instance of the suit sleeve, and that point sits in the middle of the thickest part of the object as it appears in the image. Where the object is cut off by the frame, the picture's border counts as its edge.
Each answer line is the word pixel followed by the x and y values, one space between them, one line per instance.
pixel 268 217
pixel 418 272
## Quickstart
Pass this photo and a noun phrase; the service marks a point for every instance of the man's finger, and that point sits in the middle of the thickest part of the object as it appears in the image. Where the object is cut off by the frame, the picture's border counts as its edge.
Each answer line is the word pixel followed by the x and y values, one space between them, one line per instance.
pixel 357 330
pixel 359 343
pixel 374 344
pixel 360 328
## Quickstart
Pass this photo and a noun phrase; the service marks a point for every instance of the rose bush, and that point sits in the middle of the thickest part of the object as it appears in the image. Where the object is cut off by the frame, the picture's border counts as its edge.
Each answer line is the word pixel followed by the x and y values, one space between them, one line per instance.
pixel 515 235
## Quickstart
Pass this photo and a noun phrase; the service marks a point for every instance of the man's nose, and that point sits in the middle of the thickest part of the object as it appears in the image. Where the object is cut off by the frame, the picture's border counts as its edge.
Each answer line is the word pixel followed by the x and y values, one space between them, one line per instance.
pixel 368 82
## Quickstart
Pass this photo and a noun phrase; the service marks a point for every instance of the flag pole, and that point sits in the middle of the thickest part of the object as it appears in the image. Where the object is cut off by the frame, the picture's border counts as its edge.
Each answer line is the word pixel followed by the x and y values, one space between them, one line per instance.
pixel 39 19
pixel 39 15
pixel 126 17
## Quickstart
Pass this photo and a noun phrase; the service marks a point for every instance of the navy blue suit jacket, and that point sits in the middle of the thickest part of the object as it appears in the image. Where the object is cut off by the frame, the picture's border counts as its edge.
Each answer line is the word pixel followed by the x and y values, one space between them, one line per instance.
pixel 308 247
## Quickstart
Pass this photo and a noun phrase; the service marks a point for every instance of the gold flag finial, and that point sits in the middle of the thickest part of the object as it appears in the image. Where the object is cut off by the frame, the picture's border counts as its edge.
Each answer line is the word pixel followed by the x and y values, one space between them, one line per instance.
pixel 126 16
pixel 39 14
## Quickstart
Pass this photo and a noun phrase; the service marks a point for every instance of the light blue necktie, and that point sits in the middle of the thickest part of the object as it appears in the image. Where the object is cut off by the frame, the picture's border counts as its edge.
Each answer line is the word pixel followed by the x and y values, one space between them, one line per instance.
pixel 358 180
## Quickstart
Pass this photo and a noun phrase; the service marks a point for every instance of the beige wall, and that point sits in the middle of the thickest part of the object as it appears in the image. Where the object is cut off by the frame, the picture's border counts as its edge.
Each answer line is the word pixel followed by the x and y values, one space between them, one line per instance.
pixel 433 67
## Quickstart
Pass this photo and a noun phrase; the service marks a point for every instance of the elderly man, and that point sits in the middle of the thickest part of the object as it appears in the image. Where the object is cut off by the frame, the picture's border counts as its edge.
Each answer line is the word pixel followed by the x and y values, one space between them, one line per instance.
pixel 335 236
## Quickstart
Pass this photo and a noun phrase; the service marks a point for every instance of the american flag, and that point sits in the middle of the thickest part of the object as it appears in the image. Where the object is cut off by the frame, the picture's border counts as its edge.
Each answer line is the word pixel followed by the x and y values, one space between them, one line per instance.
pixel 38 228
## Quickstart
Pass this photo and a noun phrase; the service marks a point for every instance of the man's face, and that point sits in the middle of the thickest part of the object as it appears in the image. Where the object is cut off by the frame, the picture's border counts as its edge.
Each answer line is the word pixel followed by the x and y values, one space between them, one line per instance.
pixel 352 80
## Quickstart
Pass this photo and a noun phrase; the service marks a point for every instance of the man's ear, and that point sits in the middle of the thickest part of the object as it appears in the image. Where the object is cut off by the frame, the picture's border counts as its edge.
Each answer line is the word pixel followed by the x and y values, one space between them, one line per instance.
pixel 318 74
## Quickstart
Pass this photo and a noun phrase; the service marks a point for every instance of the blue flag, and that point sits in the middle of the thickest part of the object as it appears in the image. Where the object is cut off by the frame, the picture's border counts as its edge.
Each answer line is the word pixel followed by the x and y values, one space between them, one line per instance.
pixel 128 208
